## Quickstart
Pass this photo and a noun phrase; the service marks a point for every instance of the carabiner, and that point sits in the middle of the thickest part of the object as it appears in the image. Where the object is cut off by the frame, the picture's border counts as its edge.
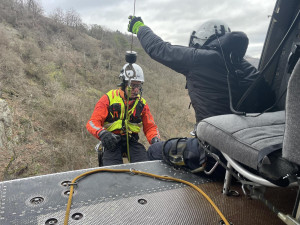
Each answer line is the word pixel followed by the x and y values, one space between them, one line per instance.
pixel 128 74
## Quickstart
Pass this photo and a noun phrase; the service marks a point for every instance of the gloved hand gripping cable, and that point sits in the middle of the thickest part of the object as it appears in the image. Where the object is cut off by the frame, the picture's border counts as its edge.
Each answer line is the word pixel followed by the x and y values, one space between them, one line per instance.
pixel 134 24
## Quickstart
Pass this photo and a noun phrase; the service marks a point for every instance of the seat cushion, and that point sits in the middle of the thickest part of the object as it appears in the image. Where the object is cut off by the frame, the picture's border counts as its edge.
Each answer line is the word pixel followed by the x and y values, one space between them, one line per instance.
pixel 291 150
pixel 240 137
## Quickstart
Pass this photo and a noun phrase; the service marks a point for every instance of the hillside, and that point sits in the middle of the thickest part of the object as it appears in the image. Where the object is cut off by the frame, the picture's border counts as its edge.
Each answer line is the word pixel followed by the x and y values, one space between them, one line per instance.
pixel 53 71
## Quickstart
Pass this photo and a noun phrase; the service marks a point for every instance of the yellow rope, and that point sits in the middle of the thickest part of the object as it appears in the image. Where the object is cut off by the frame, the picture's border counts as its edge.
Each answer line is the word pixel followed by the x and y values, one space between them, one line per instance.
pixel 141 173
pixel 126 122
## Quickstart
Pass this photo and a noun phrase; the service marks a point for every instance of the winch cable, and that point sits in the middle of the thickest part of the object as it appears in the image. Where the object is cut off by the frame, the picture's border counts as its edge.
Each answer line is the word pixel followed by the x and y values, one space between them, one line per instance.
pixel 129 93
pixel 127 119
pixel 132 33
pixel 133 171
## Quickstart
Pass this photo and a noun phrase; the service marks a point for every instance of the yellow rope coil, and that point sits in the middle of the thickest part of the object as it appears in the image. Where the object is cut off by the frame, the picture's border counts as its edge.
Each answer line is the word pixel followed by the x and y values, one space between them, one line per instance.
pixel 140 173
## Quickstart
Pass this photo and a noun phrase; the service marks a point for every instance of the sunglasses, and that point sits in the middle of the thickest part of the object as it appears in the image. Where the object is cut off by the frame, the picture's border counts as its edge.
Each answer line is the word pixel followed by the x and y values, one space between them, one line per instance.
pixel 133 86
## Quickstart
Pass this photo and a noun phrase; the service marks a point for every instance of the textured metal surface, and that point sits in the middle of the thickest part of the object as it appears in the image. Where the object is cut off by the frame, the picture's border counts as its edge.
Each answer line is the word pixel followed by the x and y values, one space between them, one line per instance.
pixel 17 195
pixel 113 198
pixel 174 206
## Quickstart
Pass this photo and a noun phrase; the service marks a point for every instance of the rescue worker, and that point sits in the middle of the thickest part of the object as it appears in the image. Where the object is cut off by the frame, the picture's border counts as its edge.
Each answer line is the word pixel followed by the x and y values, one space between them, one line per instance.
pixel 107 122
pixel 214 52
pixel 217 75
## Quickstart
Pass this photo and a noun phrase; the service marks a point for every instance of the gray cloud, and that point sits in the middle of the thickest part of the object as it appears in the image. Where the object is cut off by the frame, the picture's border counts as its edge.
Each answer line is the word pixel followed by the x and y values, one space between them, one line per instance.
pixel 174 20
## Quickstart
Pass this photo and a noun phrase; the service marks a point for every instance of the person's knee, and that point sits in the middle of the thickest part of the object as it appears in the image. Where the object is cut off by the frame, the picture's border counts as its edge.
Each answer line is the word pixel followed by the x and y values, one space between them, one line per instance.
pixel 155 151
pixel 137 152
pixel 110 158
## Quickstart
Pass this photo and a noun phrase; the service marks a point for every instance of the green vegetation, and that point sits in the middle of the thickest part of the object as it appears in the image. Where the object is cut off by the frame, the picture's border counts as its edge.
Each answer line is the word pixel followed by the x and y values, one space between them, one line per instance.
pixel 53 71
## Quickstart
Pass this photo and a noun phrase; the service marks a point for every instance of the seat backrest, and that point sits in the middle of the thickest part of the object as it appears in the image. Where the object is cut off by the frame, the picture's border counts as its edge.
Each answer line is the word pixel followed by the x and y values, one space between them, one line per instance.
pixel 291 141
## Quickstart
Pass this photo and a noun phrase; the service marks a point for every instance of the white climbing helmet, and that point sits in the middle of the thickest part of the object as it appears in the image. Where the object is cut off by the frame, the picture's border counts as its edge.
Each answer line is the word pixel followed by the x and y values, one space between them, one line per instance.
pixel 128 72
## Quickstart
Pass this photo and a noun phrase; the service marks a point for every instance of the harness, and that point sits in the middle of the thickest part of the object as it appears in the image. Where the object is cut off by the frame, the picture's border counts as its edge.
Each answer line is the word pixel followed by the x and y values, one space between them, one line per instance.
pixel 116 113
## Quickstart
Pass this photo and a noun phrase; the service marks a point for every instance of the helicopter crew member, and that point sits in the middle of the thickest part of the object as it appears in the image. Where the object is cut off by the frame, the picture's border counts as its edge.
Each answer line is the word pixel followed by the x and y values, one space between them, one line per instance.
pixel 213 53
pixel 107 122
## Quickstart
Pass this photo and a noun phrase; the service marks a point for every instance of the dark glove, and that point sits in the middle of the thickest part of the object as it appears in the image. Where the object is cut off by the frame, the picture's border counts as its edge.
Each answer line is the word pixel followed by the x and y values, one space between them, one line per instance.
pixel 134 24
pixel 154 140
pixel 109 140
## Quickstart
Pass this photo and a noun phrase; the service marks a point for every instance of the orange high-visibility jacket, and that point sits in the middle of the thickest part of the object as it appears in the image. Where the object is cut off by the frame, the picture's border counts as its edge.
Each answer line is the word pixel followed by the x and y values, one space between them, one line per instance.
pixel 107 112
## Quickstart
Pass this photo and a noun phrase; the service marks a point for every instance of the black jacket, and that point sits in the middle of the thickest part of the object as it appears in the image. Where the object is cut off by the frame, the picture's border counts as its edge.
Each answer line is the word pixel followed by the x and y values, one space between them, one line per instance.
pixel 204 69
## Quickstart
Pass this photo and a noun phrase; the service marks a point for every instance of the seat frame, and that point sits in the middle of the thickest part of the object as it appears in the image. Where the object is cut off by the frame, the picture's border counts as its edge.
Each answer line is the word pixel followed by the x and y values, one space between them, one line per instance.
pixel 255 185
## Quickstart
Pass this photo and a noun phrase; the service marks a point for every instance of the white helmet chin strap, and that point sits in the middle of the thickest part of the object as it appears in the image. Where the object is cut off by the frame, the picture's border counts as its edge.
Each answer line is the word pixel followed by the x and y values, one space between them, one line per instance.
pixel 129 67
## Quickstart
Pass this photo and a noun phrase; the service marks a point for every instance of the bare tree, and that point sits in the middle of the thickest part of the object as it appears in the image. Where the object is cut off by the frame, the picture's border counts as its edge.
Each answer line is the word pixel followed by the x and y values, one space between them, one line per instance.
pixel 35 8
pixel 72 19
pixel 96 31
pixel 58 16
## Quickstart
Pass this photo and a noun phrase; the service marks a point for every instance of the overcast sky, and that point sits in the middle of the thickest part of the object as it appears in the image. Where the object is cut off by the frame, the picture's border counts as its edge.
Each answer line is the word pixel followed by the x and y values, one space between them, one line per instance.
pixel 174 20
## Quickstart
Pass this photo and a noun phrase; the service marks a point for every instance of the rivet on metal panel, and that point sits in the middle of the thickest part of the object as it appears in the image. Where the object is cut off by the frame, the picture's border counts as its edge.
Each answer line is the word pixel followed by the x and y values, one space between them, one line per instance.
pixel 36 200
pixel 77 216
pixel 132 171
pixel 51 221
pixel 67 192
pixel 65 183
pixel 221 222
pixel 142 201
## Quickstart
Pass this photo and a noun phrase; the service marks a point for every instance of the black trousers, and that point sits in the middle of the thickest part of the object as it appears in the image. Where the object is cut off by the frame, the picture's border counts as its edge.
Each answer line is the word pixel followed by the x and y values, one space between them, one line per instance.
pixel 137 153
pixel 155 151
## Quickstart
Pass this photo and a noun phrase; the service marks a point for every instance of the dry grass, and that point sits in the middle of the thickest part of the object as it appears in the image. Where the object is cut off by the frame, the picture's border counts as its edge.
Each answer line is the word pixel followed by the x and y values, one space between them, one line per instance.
pixel 52 76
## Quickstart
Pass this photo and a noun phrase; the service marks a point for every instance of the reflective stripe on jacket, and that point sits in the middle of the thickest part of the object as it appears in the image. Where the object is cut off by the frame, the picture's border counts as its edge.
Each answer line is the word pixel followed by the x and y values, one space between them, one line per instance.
pixel 107 110
pixel 117 113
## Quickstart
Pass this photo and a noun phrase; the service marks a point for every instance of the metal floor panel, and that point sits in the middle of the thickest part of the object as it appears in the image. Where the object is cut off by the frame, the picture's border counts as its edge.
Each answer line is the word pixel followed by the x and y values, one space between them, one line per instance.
pixel 114 198
pixel 24 200
pixel 175 206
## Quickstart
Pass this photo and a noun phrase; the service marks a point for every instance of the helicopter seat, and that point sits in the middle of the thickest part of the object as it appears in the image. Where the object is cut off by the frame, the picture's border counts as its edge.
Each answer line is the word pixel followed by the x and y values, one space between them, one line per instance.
pixel 249 143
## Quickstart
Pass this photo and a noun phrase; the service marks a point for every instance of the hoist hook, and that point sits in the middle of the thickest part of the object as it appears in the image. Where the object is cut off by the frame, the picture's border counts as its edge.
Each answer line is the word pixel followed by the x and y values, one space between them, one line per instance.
pixel 130 73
